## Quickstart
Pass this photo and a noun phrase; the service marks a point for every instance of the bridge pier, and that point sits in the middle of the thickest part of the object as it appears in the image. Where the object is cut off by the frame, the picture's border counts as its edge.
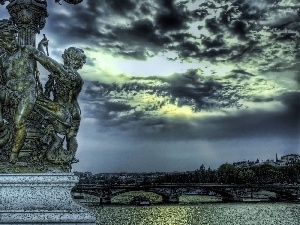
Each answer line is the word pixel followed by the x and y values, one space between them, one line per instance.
pixel 170 200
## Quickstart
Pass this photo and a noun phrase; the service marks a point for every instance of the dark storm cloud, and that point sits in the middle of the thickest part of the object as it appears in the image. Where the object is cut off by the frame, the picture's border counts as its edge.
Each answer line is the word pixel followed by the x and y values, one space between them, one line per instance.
pixel 244 124
pixel 201 93
pixel 208 42
pixel 189 89
pixel 292 102
pixel 188 49
pixel 297 78
pixel 170 16
pixel 136 39
pixel 256 14
pixel 290 21
pixel 242 19
pixel 88 23
pixel 122 6
pixel 79 23
pixel 284 122
pixel 212 25
pixel 117 107
pixel 180 37
pixel 239 28
pixel 131 29
pixel 164 29
pixel 252 10
pixel 140 30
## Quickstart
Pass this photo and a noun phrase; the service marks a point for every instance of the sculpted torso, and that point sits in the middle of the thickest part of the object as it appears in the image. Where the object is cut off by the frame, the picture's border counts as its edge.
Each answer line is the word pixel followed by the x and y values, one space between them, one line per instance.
pixel 67 87
pixel 19 91
pixel 18 73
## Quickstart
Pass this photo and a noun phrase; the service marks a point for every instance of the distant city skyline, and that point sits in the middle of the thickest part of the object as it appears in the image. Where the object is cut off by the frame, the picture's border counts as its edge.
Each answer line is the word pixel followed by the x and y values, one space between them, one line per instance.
pixel 172 84
pixel 261 162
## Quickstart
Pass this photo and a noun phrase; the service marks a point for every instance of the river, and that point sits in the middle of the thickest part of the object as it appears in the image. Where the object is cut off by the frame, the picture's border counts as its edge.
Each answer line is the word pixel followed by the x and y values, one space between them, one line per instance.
pixel 200 214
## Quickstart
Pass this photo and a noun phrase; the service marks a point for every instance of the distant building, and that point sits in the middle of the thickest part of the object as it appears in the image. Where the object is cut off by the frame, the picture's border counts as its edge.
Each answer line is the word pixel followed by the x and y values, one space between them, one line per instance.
pixel 245 164
pixel 283 161
pixel 280 163
pixel 270 162
pixel 290 159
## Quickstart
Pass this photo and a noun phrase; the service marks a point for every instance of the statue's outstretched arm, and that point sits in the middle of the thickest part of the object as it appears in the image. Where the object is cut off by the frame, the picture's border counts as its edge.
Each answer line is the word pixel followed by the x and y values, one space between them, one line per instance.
pixel 48 63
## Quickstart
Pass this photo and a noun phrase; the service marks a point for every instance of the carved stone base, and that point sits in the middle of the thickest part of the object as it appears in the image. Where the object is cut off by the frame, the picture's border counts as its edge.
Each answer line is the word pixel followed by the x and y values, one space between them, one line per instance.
pixel 41 198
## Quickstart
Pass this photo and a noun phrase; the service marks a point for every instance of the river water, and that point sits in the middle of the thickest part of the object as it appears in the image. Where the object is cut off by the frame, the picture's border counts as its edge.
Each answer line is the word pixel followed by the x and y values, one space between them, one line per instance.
pixel 201 214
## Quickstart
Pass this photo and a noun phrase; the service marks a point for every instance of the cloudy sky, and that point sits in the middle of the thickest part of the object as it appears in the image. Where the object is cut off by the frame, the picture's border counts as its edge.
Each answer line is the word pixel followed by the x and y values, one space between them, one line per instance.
pixel 172 84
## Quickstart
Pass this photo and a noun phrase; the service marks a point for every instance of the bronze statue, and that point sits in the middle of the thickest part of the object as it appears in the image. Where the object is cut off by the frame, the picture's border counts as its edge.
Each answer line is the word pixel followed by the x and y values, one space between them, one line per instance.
pixel 65 83
pixel 19 87
pixel 19 91
pixel 38 125
pixel 34 123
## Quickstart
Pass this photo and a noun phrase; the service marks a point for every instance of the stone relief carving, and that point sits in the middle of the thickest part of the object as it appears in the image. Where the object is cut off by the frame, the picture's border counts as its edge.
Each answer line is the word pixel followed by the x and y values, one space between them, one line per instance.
pixel 38 125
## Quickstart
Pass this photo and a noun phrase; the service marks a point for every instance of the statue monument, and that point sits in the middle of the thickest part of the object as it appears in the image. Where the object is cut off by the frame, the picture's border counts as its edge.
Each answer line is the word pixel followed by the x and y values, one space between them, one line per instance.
pixel 38 125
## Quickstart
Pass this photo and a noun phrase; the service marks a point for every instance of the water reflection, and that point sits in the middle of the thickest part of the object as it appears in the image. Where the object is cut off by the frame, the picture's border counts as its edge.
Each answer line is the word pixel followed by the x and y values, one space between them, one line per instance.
pixel 204 214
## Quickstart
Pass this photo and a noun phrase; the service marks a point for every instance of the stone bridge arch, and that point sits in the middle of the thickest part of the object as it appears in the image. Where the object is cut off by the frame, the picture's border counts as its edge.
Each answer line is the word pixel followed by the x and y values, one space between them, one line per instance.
pixel 126 196
pixel 167 194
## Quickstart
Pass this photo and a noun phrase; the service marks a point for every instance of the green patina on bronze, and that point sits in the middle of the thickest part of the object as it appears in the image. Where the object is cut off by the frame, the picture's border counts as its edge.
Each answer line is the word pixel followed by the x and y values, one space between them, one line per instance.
pixel 36 121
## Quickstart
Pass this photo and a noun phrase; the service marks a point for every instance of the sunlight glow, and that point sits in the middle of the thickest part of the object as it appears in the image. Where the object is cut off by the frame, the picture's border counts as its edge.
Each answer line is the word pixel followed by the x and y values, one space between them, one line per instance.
pixel 173 110
pixel 155 66
pixel 160 65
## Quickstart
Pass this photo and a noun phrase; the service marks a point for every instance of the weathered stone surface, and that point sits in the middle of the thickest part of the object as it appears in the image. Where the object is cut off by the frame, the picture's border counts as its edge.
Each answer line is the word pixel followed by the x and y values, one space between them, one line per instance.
pixel 40 198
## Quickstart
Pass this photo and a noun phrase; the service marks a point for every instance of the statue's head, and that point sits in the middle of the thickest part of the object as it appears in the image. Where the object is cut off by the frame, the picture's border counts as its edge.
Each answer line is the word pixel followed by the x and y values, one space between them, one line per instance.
pixel 8 32
pixel 74 57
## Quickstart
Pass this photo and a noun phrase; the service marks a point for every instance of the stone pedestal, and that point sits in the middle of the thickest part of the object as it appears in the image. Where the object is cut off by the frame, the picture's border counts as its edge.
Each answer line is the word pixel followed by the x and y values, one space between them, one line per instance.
pixel 41 199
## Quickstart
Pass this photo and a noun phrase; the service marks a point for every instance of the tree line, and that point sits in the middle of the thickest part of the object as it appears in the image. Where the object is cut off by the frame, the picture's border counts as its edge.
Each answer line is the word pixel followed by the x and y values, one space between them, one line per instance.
pixel 228 174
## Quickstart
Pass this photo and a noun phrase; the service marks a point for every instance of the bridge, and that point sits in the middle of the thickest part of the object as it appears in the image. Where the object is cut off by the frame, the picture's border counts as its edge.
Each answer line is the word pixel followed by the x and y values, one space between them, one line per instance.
pixel 171 192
